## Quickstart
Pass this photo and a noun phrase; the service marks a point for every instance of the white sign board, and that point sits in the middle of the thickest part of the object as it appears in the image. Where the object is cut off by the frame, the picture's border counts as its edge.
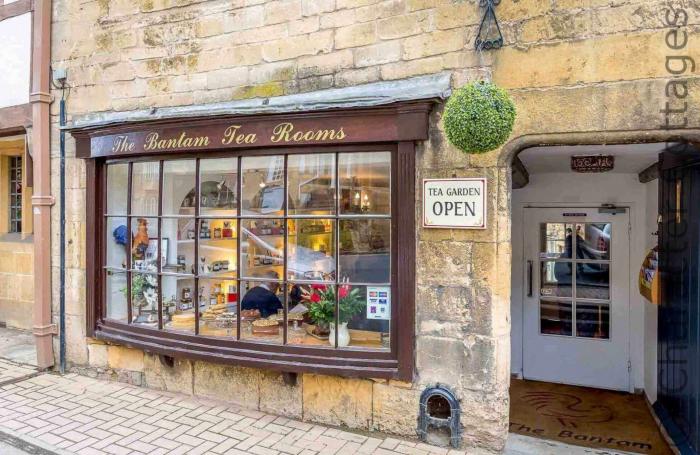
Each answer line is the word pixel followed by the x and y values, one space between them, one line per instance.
pixel 379 302
pixel 454 203
pixel 15 55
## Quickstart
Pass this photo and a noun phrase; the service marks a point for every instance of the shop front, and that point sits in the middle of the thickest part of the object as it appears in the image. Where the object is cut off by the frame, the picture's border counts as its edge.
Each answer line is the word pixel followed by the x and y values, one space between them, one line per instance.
pixel 283 242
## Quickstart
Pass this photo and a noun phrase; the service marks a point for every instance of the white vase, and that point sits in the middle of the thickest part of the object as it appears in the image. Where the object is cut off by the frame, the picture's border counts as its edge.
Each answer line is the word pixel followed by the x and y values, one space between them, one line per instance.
pixel 343 335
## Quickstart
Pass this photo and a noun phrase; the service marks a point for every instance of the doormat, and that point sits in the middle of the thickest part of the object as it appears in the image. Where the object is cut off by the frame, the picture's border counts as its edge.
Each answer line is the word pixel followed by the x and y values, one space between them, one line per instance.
pixel 583 416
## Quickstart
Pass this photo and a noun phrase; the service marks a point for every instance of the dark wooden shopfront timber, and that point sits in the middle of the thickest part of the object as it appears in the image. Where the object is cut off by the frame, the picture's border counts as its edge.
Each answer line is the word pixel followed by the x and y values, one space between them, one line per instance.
pixel 335 134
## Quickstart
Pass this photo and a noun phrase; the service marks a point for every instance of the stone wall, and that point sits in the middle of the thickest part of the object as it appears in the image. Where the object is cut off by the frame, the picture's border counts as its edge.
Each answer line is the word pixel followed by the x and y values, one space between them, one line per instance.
pixel 572 66
pixel 17 283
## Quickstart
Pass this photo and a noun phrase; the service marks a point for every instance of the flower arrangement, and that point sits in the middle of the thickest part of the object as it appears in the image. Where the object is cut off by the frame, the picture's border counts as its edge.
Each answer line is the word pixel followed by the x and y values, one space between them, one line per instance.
pixel 479 117
pixel 144 288
pixel 321 299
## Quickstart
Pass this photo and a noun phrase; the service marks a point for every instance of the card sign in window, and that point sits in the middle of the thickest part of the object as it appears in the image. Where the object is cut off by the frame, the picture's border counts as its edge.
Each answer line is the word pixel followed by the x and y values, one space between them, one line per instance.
pixel 458 203
pixel 379 302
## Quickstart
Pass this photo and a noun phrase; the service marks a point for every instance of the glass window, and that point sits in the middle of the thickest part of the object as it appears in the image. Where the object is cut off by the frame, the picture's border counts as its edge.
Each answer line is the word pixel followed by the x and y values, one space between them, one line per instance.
pixel 15 194
pixel 304 261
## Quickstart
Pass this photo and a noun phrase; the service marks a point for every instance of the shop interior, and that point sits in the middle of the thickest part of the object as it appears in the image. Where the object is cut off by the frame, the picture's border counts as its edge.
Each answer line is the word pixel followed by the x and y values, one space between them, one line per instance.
pixel 579 339
pixel 272 237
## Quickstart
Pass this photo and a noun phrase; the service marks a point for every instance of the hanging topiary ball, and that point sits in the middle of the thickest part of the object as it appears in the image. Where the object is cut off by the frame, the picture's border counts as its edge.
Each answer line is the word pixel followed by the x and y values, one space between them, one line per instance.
pixel 479 117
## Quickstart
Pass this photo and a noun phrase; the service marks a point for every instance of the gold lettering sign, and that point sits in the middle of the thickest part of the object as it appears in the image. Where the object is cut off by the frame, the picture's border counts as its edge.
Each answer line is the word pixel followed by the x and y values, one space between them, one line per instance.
pixel 233 135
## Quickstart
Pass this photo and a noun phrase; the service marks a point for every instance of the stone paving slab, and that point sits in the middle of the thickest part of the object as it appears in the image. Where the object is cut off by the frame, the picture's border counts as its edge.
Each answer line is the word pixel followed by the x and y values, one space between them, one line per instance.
pixel 12 371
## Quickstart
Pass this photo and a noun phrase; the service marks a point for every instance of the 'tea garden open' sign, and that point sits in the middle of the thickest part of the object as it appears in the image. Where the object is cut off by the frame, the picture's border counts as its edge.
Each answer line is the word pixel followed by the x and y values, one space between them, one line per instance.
pixel 458 203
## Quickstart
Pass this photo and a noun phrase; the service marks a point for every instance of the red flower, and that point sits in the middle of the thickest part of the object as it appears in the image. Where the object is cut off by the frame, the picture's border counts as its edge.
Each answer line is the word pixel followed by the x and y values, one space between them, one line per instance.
pixel 315 298
pixel 343 291
pixel 318 287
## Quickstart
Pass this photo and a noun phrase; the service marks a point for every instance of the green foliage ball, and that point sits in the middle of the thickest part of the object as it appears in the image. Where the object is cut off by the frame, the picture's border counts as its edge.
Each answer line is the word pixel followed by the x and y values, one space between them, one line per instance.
pixel 479 117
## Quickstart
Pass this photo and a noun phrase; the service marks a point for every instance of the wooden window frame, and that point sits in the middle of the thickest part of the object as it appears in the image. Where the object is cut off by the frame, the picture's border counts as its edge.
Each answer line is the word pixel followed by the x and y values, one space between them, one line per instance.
pixel 392 128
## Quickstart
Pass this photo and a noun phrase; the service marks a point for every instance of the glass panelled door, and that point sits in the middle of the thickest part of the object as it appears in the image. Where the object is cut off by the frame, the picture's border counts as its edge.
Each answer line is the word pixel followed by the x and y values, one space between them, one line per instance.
pixel 576 302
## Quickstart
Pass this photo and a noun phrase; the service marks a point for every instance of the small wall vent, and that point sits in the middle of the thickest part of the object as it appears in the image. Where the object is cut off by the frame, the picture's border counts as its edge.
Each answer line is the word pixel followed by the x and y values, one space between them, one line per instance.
pixel 440 410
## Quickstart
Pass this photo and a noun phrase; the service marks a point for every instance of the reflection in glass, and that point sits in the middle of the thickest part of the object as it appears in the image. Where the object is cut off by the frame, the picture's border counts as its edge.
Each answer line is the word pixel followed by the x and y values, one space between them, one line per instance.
pixel 144 188
pixel 178 183
pixel 262 311
pixel 365 251
pixel 116 242
pixel 117 186
pixel 116 296
pixel 592 320
pixel 311 249
pixel 219 184
pixel 593 241
pixel 178 303
pixel 217 247
pixel 218 306
pixel 144 299
pixel 555 279
pixel 592 281
pixel 555 317
pixel 263 185
pixel 144 244
pixel 556 240
pixel 177 240
pixel 262 248
pixel 311 183
pixel 365 181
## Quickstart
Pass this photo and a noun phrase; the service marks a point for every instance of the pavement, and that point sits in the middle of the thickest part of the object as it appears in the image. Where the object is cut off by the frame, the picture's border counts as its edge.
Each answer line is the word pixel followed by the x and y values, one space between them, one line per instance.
pixel 17 346
pixel 47 414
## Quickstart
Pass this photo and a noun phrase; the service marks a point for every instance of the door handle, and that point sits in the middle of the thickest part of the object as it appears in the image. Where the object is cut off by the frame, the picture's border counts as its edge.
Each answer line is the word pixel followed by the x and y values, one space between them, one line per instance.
pixel 529 278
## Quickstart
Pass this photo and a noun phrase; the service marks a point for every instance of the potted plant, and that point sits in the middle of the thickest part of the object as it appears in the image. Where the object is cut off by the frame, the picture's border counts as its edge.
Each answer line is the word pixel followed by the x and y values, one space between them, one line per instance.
pixel 321 302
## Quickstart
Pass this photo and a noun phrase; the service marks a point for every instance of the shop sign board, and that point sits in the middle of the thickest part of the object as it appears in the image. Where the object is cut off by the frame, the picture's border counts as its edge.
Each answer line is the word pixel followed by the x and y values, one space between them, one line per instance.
pixel 458 203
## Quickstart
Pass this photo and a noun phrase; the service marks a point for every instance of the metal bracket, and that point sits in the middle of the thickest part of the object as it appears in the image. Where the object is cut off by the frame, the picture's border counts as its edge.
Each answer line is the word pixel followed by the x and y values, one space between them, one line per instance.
pixel 488 38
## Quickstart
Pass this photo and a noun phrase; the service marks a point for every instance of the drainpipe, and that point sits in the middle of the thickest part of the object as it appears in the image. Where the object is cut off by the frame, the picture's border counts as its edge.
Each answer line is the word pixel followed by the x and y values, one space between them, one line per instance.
pixel 62 239
pixel 40 99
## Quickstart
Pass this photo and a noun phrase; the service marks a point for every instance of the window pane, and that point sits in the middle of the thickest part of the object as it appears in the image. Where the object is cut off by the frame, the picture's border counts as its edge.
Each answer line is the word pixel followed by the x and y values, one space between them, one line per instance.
pixel 592 320
pixel 365 251
pixel 218 307
pixel 311 184
pixel 311 249
pixel 177 243
pixel 116 296
pixel 117 185
pixel 116 242
pixel 592 281
pixel 366 313
pixel 144 244
pixel 262 306
pixel 263 185
pixel 556 240
pixel 219 185
pixel 178 303
pixel 555 279
pixel 365 180
pixel 555 318
pixel 311 312
pixel 144 299
pixel 262 248
pixel 593 240
pixel 144 188
pixel 178 187
pixel 217 248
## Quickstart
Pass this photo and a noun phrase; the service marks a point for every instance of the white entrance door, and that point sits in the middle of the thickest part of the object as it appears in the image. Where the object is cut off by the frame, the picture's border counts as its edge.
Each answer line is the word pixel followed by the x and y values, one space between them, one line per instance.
pixel 576 297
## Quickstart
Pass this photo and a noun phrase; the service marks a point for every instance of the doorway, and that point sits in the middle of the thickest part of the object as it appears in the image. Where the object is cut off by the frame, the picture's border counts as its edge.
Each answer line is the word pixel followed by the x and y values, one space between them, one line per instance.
pixel 576 298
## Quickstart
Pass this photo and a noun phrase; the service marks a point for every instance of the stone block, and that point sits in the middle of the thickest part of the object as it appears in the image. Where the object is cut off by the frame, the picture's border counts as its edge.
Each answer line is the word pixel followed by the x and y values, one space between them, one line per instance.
pixel 238 385
pixel 292 47
pixel 445 263
pixel 278 398
pixel 323 64
pixel 401 70
pixel 395 410
pixel 229 77
pixel 359 76
pixel 438 42
pixel 315 7
pixel 282 11
pixel 377 54
pixel 120 357
pixel 355 35
pixel 338 401
pixel 97 355
pixel 403 25
pixel 177 378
